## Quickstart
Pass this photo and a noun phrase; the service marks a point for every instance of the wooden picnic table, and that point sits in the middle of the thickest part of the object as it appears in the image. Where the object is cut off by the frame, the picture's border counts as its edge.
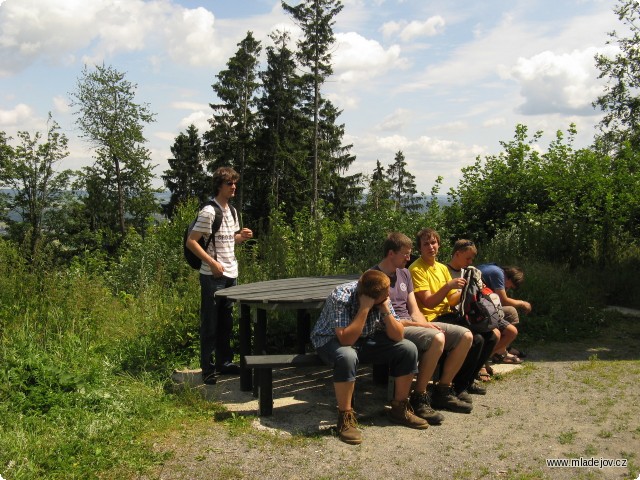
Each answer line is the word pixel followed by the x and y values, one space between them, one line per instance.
pixel 301 294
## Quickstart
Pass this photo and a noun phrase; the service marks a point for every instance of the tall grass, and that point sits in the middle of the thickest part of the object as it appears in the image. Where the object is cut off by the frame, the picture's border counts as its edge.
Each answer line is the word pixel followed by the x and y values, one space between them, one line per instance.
pixel 87 350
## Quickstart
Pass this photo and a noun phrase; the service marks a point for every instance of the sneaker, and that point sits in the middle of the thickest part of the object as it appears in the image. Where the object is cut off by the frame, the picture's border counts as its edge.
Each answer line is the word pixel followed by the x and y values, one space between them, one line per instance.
pixel 348 428
pixel 228 368
pixel 444 398
pixel 209 378
pixel 421 404
pixel 402 413
pixel 476 389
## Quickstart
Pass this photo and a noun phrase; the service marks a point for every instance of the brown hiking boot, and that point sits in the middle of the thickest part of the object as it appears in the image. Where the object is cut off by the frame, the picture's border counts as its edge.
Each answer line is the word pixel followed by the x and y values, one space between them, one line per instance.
pixel 348 428
pixel 402 413
pixel 421 404
pixel 444 398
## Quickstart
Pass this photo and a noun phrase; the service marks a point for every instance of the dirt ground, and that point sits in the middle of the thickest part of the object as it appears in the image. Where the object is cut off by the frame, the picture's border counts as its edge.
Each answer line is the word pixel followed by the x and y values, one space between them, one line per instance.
pixel 578 400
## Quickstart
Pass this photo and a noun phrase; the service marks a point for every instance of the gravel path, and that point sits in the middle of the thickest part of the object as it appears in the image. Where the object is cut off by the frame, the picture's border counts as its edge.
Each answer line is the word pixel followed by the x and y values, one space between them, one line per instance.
pixel 568 401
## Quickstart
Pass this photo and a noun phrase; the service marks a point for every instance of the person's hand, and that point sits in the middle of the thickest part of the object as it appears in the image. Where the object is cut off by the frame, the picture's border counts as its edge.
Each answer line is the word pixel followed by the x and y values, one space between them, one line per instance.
pixel 431 325
pixel 367 302
pixel 456 283
pixel 526 306
pixel 383 307
pixel 246 234
pixel 216 268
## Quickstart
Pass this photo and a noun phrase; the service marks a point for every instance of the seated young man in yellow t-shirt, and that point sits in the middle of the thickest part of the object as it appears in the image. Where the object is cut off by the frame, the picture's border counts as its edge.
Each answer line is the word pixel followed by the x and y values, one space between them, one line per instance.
pixel 437 293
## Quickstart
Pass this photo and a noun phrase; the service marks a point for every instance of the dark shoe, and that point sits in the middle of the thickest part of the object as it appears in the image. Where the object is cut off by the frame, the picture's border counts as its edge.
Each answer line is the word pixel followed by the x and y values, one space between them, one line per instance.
pixel 421 404
pixel 476 389
pixel 228 368
pixel 209 378
pixel 348 428
pixel 465 397
pixel 402 414
pixel 444 398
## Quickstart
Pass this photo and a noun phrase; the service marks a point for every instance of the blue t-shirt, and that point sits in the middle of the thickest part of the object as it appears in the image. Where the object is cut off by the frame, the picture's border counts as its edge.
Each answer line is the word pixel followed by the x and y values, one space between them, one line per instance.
pixel 492 276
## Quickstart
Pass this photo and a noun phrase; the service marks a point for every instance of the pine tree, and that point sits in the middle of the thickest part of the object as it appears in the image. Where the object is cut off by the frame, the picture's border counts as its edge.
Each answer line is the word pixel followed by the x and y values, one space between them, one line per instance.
pixel 280 173
pixel 403 185
pixel 316 19
pixel 186 178
pixel 231 139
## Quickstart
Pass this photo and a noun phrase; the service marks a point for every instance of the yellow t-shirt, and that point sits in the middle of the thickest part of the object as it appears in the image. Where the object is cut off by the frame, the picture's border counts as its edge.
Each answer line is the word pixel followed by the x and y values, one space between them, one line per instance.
pixel 426 277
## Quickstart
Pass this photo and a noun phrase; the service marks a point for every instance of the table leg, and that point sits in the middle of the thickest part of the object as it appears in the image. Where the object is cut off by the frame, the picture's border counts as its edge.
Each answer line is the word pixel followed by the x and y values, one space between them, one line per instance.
pixel 303 330
pixel 259 344
pixel 245 347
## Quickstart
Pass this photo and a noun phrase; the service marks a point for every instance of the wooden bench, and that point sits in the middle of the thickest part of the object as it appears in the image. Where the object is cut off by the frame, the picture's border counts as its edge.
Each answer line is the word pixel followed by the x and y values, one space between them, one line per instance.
pixel 265 364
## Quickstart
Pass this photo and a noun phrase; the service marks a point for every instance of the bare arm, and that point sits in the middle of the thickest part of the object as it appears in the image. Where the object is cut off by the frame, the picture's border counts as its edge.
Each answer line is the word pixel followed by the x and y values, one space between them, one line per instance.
pixel 512 302
pixel 192 244
pixel 243 235
pixel 393 328
pixel 432 300
pixel 349 335
pixel 417 318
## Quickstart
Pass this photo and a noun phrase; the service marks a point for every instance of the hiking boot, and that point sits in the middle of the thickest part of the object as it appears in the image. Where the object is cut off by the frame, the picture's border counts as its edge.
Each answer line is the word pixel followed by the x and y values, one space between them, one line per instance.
pixel 476 389
pixel 402 414
pixel 421 404
pixel 444 398
pixel 465 397
pixel 348 428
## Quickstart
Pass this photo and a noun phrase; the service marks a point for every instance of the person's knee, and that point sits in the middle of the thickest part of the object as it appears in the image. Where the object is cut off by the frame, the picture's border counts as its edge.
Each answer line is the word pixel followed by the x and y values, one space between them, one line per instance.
pixel 346 358
pixel 467 340
pixel 511 332
pixel 438 342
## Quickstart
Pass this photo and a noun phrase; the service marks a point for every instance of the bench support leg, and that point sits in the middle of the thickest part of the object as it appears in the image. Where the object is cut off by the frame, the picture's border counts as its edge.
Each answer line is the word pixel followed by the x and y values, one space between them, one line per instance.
pixel 244 327
pixel 265 392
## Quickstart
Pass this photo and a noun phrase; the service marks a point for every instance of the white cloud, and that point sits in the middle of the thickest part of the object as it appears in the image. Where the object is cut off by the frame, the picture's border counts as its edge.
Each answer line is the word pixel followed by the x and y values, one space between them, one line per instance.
pixel 20 114
pixel 61 32
pixel 200 119
pixel 408 31
pixel 552 83
pixel 357 59
pixel 396 121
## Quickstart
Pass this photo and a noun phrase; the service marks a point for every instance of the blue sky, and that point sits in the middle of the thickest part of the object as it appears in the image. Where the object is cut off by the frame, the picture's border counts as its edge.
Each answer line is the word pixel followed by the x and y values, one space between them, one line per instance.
pixel 444 81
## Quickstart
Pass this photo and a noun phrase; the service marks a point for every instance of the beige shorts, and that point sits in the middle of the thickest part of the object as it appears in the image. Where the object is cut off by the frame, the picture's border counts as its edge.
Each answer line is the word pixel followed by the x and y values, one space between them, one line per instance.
pixel 422 336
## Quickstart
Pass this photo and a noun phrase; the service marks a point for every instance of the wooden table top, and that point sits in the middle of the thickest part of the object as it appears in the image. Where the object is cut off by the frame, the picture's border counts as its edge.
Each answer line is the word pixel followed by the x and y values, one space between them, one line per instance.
pixel 287 293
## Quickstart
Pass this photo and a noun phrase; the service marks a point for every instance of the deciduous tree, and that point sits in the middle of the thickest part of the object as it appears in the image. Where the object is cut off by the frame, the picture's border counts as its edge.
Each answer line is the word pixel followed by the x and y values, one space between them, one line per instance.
pixel 112 121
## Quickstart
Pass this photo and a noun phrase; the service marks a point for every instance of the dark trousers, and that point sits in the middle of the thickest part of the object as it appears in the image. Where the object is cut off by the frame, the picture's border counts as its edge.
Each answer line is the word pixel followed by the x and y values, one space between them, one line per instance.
pixel 480 351
pixel 216 322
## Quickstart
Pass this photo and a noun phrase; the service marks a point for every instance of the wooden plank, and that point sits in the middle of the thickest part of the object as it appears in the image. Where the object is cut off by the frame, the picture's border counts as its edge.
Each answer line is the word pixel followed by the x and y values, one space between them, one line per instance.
pixel 274 361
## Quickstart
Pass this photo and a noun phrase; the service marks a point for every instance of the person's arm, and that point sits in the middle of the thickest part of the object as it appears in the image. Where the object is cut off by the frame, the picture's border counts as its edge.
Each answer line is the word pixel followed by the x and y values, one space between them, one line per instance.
pixel 349 335
pixel 192 244
pixel 417 317
pixel 392 327
pixel 432 300
pixel 243 235
pixel 512 302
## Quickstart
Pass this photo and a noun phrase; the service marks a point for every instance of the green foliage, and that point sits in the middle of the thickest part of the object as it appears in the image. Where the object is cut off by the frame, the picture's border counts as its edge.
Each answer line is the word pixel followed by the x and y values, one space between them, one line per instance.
pixel 118 185
pixel 525 198
pixel 37 189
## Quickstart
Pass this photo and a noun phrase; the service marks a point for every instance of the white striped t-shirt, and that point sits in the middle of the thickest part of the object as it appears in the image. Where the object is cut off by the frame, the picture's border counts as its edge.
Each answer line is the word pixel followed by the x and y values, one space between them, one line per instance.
pixel 224 249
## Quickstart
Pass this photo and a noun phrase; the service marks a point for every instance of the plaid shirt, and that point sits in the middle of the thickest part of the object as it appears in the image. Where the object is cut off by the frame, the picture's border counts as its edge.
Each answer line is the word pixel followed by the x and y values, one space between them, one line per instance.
pixel 339 311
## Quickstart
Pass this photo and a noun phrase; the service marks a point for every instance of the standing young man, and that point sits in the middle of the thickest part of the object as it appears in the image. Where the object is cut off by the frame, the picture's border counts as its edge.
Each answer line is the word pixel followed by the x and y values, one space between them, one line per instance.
pixel 431 338
pixel 358 324
pixel 219 270
pixel 436 293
